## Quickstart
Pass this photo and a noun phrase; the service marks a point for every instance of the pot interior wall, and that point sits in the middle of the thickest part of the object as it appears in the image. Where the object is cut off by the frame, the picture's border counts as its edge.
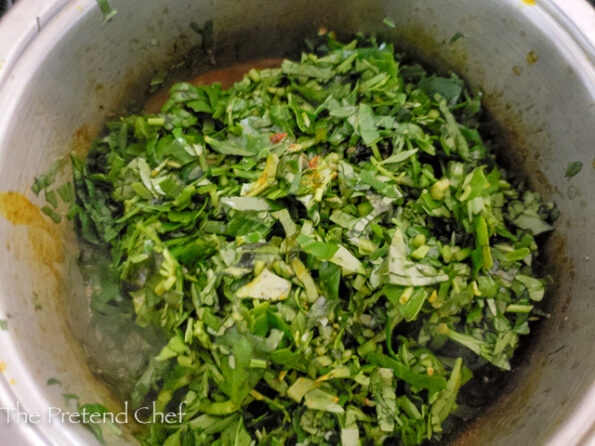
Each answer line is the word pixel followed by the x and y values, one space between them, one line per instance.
pixel 76 71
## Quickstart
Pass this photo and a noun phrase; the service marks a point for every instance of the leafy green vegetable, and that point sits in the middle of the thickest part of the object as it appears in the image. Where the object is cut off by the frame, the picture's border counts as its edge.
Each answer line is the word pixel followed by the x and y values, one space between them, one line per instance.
pixel 389 22
pixel 449 89
pixel 68 397
pixel 573 169
pixel 42 182
pixel 239 377
pixel 456 36
pixel 51 198
pixel 57 218
pixel 385 398
pixel 318 399
pixel 445 401
pixel 329 248
pixel 3 324
pixel 432 383
pixel 106 10
pixel 89 413
pixel 266 285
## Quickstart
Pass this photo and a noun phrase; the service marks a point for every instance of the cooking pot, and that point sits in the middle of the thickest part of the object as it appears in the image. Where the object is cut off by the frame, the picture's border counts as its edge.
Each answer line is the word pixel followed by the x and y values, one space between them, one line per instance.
pixel 63 71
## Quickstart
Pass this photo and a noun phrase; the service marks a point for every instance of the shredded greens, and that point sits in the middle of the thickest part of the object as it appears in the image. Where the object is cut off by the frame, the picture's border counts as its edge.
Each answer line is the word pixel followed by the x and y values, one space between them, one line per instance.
pixel 329 248
pixel 573 169
pixel 106 10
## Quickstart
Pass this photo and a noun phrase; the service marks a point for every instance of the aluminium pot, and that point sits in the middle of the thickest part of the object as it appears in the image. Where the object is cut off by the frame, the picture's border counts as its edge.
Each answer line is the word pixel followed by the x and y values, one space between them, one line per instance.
pixel 62 72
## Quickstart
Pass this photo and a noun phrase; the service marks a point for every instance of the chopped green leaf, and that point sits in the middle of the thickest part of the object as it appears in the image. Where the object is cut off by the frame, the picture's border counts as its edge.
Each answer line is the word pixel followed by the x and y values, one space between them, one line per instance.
pixel 106 10
pixel 57 218
pixel 389 22
pixel 456 36
pixel 573 169
pixel 47 179
pixel 315 246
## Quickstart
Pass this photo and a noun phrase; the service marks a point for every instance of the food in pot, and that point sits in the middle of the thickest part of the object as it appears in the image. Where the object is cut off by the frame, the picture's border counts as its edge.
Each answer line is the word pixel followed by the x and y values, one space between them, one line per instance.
pixel 329 248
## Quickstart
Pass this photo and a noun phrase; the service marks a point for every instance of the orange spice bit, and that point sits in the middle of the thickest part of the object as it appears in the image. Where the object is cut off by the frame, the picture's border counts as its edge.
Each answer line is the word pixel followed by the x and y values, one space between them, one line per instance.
pixel 256 395
pixel 368 402
pixel 277 137
pixel 323 378
pixel 532 57
pixel 313 162
pixel 336 399
pixel 433 296
pixel 430 371
pixel 2 367
pixel 529 2
pixel 443 329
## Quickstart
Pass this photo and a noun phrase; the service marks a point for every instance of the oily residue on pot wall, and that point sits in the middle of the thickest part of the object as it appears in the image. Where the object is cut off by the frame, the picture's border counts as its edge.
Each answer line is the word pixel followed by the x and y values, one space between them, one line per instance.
pixel 82 139
pixel 420 44
pixel 44 239
pixel 46 252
